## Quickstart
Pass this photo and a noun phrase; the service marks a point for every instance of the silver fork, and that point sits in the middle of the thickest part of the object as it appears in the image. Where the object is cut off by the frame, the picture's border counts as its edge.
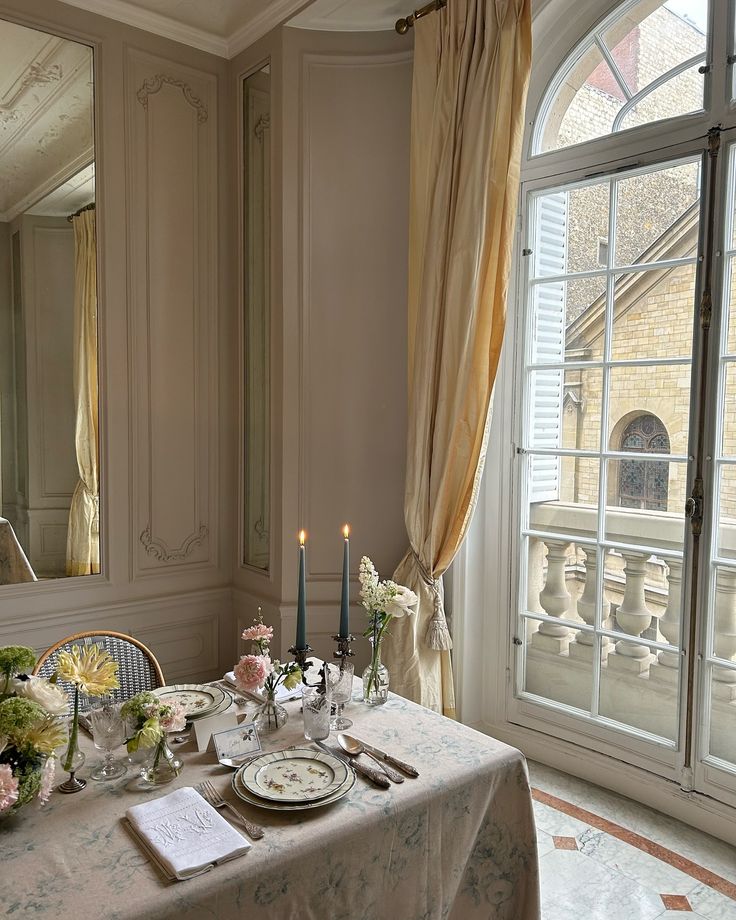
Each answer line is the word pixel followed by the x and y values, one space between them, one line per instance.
pixel 211 795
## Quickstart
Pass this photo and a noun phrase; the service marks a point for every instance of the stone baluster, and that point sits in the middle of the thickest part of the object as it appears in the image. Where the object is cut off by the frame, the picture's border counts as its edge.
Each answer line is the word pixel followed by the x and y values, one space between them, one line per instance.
pixel 633 617
pixel 555 600
pixel 582 647
pixel 724 680
pixel 669 624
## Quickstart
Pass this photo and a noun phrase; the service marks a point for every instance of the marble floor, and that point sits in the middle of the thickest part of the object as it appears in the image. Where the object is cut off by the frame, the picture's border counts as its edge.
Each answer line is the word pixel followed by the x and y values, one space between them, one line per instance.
pixel 604 857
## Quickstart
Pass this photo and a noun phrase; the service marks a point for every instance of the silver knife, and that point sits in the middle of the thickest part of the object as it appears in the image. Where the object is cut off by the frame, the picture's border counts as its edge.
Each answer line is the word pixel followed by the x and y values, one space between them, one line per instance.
pixel 375 776
pixel 389 758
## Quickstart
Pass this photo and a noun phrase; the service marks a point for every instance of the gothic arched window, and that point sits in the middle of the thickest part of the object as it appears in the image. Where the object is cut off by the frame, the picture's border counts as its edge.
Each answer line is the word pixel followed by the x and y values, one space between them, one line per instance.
pixel 644 483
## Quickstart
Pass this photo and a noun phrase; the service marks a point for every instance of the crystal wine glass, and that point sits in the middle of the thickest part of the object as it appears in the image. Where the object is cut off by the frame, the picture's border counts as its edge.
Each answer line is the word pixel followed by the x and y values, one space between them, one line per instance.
pixel 340 689
pixel 108 733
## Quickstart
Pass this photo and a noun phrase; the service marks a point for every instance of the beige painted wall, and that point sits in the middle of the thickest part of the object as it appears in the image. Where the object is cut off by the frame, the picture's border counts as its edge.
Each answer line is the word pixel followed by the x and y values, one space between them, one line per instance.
pixel 341 144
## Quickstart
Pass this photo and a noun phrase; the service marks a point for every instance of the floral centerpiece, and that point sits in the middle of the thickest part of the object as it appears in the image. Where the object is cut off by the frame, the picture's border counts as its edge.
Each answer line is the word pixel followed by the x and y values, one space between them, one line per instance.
pixel 92 671
pixel 29 730
pixel 151 720
pixel 383 600
pixel 256 673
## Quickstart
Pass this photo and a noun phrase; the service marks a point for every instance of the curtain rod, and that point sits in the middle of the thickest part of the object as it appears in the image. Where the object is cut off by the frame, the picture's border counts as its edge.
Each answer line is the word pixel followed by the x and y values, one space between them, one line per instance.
pixel 403 25
pixel 87 207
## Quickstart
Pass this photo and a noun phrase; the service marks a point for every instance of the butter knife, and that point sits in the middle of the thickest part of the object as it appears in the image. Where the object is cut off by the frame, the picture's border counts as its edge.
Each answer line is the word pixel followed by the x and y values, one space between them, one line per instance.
pixel 375 776
pixel 389 758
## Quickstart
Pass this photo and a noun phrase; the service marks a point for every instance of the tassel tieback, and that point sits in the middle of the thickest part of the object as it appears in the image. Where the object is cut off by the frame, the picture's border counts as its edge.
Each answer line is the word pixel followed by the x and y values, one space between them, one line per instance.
pixel 437 636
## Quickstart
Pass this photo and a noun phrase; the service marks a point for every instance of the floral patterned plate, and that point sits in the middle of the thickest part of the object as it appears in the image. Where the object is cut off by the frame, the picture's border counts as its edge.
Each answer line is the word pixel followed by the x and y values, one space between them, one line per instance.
pixel 197 700
pixel 298 775
pixel 246 796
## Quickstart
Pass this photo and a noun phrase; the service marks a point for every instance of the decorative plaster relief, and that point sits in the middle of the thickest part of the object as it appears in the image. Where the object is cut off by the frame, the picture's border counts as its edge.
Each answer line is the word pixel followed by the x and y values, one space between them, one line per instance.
pixel 159 550
pixel 153 85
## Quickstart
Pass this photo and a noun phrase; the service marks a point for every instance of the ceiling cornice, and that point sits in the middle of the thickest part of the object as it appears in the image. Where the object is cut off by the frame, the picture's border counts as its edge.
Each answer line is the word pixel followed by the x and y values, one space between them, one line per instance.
pixel 156 23
pixel 274 13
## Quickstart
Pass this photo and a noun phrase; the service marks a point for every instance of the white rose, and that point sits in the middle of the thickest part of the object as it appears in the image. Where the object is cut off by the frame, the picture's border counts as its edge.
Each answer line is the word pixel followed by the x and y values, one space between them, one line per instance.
pixel 401 603
pixel 41 691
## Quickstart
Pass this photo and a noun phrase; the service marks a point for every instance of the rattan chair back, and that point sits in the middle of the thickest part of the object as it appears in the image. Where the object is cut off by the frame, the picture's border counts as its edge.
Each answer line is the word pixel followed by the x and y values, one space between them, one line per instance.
pixel 137 666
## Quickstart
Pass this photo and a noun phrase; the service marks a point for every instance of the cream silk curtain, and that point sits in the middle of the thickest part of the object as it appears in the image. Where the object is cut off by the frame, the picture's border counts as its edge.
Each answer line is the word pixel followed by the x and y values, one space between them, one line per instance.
pixel 83 540
pixel 471 70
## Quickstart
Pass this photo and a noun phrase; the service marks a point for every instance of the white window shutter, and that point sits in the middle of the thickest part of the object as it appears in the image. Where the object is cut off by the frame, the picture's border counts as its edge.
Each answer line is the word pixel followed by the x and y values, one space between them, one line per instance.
pixel 548 345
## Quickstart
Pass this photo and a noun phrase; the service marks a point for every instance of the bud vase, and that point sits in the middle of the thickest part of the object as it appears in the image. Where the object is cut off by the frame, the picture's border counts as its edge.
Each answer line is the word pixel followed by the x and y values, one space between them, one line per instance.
pixel 270 716
pixel 161 766
pixel 375 677
pixel 73 758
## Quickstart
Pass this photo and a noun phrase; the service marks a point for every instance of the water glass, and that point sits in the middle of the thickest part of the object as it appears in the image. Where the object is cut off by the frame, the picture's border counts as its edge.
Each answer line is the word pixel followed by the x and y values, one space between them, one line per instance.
pixel 108 733
pixel 340 689
pixel 316 709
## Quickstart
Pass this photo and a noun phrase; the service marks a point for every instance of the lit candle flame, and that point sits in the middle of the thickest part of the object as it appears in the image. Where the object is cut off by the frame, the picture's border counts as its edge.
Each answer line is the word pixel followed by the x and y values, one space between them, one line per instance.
pixel 302 537
pixel 346 531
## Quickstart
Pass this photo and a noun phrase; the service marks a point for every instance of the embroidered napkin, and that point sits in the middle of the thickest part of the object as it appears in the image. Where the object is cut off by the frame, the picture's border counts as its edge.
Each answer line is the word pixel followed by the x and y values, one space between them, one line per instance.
pixel 185 834
pixel 282 694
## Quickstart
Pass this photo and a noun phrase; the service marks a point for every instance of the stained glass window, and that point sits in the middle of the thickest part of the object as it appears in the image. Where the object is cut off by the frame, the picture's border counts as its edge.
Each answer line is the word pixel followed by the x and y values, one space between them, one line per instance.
pixel 644 483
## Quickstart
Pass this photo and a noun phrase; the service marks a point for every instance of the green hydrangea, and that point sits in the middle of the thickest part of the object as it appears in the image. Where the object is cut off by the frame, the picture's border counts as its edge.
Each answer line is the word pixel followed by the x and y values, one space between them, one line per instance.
pixel 16 659
pixel 18 716
pixel 135 708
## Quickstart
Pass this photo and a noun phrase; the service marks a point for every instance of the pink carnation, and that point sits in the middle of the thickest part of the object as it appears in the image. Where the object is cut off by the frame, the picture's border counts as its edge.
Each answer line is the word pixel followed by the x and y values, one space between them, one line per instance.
pixel 47 780
pixel 251 672
pixel 8 787
pixel 258 632
pixel 176 720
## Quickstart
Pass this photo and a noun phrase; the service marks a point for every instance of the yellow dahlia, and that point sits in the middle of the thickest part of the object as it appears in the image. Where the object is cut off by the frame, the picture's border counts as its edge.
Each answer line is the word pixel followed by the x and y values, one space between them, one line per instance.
pixel 45 736
pixel 90 668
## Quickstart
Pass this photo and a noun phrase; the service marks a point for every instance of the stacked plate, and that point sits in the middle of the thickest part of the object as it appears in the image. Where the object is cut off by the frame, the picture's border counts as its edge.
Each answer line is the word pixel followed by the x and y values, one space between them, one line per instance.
pixel 293 780
pixel 197 700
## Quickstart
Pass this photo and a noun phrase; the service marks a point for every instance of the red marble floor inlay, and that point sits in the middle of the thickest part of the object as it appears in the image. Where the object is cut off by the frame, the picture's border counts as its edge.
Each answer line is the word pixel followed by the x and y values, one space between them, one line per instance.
pixel 676 902
pixel 699 873
pixel 565 843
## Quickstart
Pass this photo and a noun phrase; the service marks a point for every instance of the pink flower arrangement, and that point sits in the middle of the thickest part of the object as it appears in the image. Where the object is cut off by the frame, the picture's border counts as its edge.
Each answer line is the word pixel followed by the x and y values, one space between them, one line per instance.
pixel 251 672
pixel 47 780
pixel 170 716
pixel 8 787
pixel 258 632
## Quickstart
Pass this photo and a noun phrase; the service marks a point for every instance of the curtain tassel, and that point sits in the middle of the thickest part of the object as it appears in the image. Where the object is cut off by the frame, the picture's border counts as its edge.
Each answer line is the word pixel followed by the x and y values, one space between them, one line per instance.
pixel 438 635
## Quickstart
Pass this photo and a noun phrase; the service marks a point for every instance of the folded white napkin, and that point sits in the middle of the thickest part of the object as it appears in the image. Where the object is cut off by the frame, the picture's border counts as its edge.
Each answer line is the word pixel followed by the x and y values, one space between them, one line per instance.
pixel 282 694
pixel 185 834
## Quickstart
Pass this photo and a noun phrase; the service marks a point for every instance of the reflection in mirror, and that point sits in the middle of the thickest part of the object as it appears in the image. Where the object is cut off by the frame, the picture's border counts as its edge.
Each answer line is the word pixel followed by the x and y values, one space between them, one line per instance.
pixel 49 461
pixel 257 303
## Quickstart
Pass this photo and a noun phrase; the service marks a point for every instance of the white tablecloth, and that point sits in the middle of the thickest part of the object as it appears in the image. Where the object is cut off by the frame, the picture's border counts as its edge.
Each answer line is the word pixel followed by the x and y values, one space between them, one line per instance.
pixel 458 842
pixel 14 566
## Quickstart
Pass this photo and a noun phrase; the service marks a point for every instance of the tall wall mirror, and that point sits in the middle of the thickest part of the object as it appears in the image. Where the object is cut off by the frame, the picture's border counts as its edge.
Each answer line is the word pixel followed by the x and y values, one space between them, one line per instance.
pixel 257 316
pixel 49 450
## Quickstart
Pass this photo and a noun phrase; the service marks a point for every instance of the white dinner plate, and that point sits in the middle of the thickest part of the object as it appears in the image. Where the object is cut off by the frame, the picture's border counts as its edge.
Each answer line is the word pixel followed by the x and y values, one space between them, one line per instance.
pixel 246 796
pixel 197 700
pixel 298 775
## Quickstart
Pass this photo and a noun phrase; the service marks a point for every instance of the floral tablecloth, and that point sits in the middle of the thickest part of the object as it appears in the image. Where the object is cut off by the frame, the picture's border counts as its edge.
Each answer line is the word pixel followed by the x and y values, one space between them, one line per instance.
pixel 458 842
pixel 14 566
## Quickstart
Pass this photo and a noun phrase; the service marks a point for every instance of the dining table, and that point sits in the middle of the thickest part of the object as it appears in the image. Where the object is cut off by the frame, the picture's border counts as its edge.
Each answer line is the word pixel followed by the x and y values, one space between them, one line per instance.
pixel 458 841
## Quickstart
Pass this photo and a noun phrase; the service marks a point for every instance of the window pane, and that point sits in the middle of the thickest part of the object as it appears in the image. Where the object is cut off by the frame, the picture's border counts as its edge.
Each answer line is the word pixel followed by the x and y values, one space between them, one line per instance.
pixel 729 296
pixel 645 45
pixel 656 389
pixel 681 94
pixel 727 513
pixel 565 409
pixel 571 225
pixel 556 307
pixel 574 511
pixel 584 105
pixel 657 214
pixel 728 442
pixel 646 502
pixel 653 314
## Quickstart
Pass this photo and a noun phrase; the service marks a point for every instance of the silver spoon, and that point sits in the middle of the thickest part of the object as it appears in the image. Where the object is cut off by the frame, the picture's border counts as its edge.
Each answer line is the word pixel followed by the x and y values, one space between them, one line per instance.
pixel 353 748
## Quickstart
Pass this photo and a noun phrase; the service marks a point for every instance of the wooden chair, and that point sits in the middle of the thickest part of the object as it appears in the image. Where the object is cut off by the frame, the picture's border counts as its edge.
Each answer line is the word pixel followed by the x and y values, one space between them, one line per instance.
pixel 138 668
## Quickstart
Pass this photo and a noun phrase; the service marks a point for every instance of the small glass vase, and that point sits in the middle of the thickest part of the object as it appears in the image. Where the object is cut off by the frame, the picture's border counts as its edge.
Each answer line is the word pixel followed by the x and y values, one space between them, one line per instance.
pixel 161 766
pixel 375 677
pixel 73 758
pixel 270 716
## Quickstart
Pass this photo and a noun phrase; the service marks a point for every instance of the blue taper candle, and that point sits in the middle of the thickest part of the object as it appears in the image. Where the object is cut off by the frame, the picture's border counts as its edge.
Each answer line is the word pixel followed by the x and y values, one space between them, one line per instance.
pixel 301 603
pixel 345 602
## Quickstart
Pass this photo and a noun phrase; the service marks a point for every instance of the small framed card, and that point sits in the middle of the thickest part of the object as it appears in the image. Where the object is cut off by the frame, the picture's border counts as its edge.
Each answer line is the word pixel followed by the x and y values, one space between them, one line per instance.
pixel 237 743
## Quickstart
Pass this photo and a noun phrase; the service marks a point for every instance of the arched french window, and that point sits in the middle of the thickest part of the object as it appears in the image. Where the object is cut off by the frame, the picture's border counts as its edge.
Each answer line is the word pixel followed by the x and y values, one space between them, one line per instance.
pixel 626 310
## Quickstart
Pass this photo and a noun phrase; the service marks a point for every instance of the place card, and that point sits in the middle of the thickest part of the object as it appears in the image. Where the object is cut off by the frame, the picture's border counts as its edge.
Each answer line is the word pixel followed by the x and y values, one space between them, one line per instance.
pixel 205 728
pixel 237 743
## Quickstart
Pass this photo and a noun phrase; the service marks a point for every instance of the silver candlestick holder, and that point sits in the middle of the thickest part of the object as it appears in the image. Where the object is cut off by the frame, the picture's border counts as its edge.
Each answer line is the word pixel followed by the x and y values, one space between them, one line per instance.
pixel 344 651
pixel 301 656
